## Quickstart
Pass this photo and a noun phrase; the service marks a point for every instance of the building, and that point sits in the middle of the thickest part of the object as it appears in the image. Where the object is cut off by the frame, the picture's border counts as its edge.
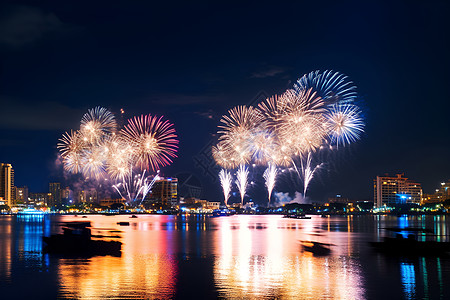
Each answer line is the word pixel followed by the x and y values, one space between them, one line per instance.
pixel 338 199
pixel 89 196
pixel 22 195
pixel 67 196
pixel 54 189
pixel 39 199
pixel 7 184
pixel 164 191
pixel 391 191
pixel 441 194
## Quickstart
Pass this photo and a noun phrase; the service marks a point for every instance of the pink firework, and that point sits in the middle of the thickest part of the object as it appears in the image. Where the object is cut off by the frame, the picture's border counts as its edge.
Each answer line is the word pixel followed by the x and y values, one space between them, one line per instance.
pixel 153 140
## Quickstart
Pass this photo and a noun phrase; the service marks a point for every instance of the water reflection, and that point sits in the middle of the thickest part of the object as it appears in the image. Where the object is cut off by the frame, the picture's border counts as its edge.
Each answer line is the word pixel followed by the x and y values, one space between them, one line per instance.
pixel 228 257
pixel 269 263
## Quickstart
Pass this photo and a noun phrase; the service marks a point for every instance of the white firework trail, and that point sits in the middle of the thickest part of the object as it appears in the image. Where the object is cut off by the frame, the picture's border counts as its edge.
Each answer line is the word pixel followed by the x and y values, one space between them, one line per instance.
pixel 225 181
pixel 270 175
pixel 308 173
pixel 242 180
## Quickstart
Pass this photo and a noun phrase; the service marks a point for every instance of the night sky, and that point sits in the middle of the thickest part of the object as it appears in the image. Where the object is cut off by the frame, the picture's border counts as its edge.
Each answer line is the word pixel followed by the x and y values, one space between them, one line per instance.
pixel 192 61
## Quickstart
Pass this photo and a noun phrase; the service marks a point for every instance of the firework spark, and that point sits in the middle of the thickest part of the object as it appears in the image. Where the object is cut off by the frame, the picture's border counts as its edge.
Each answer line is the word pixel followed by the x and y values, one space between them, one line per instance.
pixel 97 123
pixel 315 114
pixel 331 86
pixel 308 172
pixel 98 151
pixel 242 181
pixel 270 175
pixel 225 181
pixel 72 148
pixel 344 123
pixel 153 140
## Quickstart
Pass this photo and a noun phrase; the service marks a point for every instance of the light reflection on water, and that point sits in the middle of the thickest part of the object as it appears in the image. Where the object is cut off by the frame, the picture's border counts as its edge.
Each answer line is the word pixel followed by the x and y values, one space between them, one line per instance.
pixel 226 257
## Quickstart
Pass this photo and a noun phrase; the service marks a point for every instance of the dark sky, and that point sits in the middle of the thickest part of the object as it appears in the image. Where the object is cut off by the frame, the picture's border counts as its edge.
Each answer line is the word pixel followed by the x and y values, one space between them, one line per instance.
pixel 192 61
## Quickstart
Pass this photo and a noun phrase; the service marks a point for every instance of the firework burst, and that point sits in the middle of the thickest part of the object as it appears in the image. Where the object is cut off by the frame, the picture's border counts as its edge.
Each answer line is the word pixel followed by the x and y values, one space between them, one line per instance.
pixel 317 113
pixel 344 123
pixel 98 151
pixel 153 140
pixel 96 124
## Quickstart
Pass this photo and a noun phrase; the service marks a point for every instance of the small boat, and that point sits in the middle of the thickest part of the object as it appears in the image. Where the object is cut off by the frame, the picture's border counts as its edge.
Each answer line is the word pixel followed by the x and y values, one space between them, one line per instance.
pixel 123 223
pixel 77 240
pixel 316 248
pixel 133 216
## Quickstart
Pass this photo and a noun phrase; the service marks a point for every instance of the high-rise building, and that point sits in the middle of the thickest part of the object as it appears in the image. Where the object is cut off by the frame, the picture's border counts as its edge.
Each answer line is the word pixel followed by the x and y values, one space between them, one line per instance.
pixel 55 191
pixel 89 196
pixel 391 191
pixel 67 195
pixel 165 191
pixel 7 183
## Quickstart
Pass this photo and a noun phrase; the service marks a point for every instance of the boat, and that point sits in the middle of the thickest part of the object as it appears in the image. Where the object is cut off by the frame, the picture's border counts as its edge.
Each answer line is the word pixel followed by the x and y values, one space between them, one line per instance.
pixel 123 223
pixel 316 248
pixel 410 246
pixel 133 216
pixel 76 240
pixel 30 211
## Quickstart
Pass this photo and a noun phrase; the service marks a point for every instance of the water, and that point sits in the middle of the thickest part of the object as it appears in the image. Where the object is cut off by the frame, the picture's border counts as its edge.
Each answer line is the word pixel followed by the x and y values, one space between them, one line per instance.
pixel 237 257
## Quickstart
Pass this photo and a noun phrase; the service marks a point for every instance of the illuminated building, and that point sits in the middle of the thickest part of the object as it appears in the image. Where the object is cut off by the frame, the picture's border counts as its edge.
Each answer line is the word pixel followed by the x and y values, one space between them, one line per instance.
pixel 441 194
pixel 67 195
pixel 38 198
pixel 164 191
pixel 7 184
pixel 89 196
pixel 22 194
pixel 55 193
pixel 390 191
pixel 338 199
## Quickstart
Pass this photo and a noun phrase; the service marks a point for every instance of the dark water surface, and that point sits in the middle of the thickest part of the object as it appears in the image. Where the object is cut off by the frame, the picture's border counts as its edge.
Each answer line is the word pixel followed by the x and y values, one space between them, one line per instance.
pixel 238 257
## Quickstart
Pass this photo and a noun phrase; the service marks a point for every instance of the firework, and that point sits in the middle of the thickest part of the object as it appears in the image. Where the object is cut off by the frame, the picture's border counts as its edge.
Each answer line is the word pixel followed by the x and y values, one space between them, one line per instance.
pixel 315 114
pixel 72 148
pixel 308 172
pixel 345 124
pixel 238 128
pixel 331 86
pixel 135 187
pixel 119 154
pixel 93 163
pixel 242 181
pixel 98 151
pixel 153 140
pixel 225 181
pixel 97 123
pixel 270 175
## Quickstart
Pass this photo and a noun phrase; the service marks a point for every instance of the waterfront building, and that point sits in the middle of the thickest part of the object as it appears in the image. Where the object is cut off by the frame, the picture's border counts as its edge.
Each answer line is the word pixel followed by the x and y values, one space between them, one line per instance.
pixel 440 195
pixel 22 195
pixel 55 193
pixel 39 199
pixel 338 199
pixel 7 183
pixel 87 196
pixel 391 191
pixel 67 196
pixel 164 191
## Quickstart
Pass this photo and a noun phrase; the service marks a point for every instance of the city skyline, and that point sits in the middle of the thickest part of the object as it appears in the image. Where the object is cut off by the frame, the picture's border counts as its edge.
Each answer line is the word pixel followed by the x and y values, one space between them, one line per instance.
pixel 192 63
